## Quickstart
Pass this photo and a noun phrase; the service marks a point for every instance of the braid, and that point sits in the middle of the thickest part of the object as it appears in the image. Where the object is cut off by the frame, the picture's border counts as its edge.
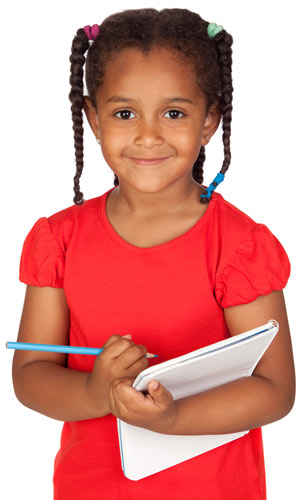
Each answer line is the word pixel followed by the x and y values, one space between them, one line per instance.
pixel 223 45
pixel 197 169
pixel 116 180
pixel 80 45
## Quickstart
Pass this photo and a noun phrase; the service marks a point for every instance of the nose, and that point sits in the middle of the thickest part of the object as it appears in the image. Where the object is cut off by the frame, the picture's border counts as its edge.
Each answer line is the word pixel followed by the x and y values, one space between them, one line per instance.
pixel 149 133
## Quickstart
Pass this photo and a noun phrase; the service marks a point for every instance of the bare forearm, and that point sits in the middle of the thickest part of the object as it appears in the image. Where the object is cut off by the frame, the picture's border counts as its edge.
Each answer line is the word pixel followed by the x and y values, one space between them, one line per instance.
pixel 244 404
pixel 56 391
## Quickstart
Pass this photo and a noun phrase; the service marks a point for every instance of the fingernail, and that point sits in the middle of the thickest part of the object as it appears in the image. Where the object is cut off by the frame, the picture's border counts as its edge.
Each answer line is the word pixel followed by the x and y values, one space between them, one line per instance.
pixel 154 384
pixel 126 336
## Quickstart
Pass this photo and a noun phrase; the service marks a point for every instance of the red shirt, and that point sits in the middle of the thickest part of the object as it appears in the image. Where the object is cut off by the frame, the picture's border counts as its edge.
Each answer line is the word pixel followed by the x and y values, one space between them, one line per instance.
pixel 171 298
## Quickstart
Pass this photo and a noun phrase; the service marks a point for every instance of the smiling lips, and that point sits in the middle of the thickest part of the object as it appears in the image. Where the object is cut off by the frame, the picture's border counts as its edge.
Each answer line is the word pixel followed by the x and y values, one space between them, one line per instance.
pixel 149 161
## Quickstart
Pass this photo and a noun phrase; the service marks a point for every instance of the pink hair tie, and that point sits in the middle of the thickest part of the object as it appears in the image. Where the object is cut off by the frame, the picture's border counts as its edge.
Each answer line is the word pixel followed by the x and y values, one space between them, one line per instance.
pixel 91 31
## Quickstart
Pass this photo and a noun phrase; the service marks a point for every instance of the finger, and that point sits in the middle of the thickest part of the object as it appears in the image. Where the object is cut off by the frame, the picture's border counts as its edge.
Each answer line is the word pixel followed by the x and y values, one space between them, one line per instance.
pixel 132 355
pixel 159 393
pixel 115 338
pixel 137 367
pixel 120 389
pixel 125 381
pixel 114 347
pixel 124 393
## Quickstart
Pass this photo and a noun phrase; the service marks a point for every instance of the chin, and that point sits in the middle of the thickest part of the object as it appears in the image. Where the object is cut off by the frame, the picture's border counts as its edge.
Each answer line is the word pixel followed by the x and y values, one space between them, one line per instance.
pixel 148 186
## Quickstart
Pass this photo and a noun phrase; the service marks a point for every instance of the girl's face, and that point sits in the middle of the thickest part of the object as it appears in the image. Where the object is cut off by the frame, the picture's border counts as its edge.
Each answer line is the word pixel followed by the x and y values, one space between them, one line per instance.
pixel 150 106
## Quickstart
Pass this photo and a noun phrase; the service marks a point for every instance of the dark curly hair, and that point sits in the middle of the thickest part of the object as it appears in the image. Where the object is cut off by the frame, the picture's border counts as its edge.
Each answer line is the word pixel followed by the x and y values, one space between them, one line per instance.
pixel 177 29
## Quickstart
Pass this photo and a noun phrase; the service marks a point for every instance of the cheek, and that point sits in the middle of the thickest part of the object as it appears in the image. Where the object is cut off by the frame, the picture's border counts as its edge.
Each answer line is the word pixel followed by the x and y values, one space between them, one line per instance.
pixel 113 144
pixel 188 144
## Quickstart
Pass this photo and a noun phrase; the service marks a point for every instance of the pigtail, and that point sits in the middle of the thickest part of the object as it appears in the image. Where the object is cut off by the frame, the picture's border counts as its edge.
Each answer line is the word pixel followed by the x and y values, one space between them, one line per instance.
pixel 223 45
pixel 80 45
pixel 197 169
pixel 223 41
pixel 116 180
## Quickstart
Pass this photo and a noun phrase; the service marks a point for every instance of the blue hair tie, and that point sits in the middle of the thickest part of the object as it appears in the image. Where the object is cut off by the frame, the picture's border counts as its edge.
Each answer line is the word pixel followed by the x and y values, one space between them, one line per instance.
pixel 219 178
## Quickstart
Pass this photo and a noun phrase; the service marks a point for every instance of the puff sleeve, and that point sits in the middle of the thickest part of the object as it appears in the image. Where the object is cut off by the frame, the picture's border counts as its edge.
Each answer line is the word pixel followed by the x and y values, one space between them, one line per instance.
pixel 258 266
pixel 42 259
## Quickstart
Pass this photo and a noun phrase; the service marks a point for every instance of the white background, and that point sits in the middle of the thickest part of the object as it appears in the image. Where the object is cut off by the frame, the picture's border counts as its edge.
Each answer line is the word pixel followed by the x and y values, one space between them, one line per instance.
pixel 37 156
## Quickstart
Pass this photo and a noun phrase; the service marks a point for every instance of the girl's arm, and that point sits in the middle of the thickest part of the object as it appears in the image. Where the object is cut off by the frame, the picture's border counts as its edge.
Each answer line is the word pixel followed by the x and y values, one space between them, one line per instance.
pixel 42 380
pixel 251 402
pixel 243 404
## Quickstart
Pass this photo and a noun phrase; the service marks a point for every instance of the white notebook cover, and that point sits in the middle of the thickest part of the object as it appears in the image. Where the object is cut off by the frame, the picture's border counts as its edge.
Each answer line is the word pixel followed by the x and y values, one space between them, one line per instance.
pixel 144 452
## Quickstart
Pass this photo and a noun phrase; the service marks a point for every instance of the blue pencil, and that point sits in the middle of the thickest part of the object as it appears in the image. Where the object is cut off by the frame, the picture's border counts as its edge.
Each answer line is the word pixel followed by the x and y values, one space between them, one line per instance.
pixel 26 346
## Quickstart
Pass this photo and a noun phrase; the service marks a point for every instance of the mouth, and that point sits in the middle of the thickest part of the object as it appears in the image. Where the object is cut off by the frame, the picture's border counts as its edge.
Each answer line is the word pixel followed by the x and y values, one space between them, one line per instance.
pixel 149 161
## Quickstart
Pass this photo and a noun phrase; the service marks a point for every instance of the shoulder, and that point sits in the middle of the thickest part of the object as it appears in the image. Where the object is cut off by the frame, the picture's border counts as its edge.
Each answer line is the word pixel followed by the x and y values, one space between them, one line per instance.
pixel 250 259
pixel 231 217
pixel 237 236
pixel 75 211
pixel 68 221
pixel 232 224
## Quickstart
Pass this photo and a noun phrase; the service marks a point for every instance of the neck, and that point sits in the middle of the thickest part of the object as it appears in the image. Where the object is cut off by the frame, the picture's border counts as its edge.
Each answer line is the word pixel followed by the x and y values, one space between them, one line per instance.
pixel 169 201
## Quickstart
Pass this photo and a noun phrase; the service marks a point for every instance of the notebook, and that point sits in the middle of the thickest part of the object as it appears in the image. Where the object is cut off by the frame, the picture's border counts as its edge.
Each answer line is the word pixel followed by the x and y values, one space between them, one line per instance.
pixel 144 452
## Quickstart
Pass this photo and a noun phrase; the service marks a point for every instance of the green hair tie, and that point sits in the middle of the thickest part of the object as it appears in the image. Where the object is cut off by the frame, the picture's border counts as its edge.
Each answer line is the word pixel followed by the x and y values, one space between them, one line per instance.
pixel 213 29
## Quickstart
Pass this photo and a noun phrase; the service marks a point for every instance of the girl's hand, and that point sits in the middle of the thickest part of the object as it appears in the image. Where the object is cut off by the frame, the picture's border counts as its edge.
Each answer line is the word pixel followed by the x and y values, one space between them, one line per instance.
pixel 156 411
pixel 121 357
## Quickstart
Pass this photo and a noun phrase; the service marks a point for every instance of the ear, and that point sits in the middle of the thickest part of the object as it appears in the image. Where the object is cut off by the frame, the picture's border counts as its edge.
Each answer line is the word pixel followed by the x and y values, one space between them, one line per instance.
pixel 212 122
pixel 91 115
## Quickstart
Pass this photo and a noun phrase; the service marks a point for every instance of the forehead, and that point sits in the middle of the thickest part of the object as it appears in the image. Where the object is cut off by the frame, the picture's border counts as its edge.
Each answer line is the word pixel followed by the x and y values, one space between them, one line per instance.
pixel 160 71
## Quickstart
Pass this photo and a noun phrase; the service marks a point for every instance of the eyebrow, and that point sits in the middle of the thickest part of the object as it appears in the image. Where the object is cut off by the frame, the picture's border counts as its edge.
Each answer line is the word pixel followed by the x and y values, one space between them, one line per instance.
pixel 117 98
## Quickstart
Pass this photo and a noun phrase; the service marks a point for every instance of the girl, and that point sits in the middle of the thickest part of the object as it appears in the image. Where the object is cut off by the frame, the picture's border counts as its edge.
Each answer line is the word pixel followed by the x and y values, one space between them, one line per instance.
pixel 158 262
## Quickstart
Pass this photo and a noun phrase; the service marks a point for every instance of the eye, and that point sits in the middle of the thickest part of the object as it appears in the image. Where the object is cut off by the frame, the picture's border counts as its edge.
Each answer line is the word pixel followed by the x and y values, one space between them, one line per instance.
pixel 175 111
pixel 123 111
